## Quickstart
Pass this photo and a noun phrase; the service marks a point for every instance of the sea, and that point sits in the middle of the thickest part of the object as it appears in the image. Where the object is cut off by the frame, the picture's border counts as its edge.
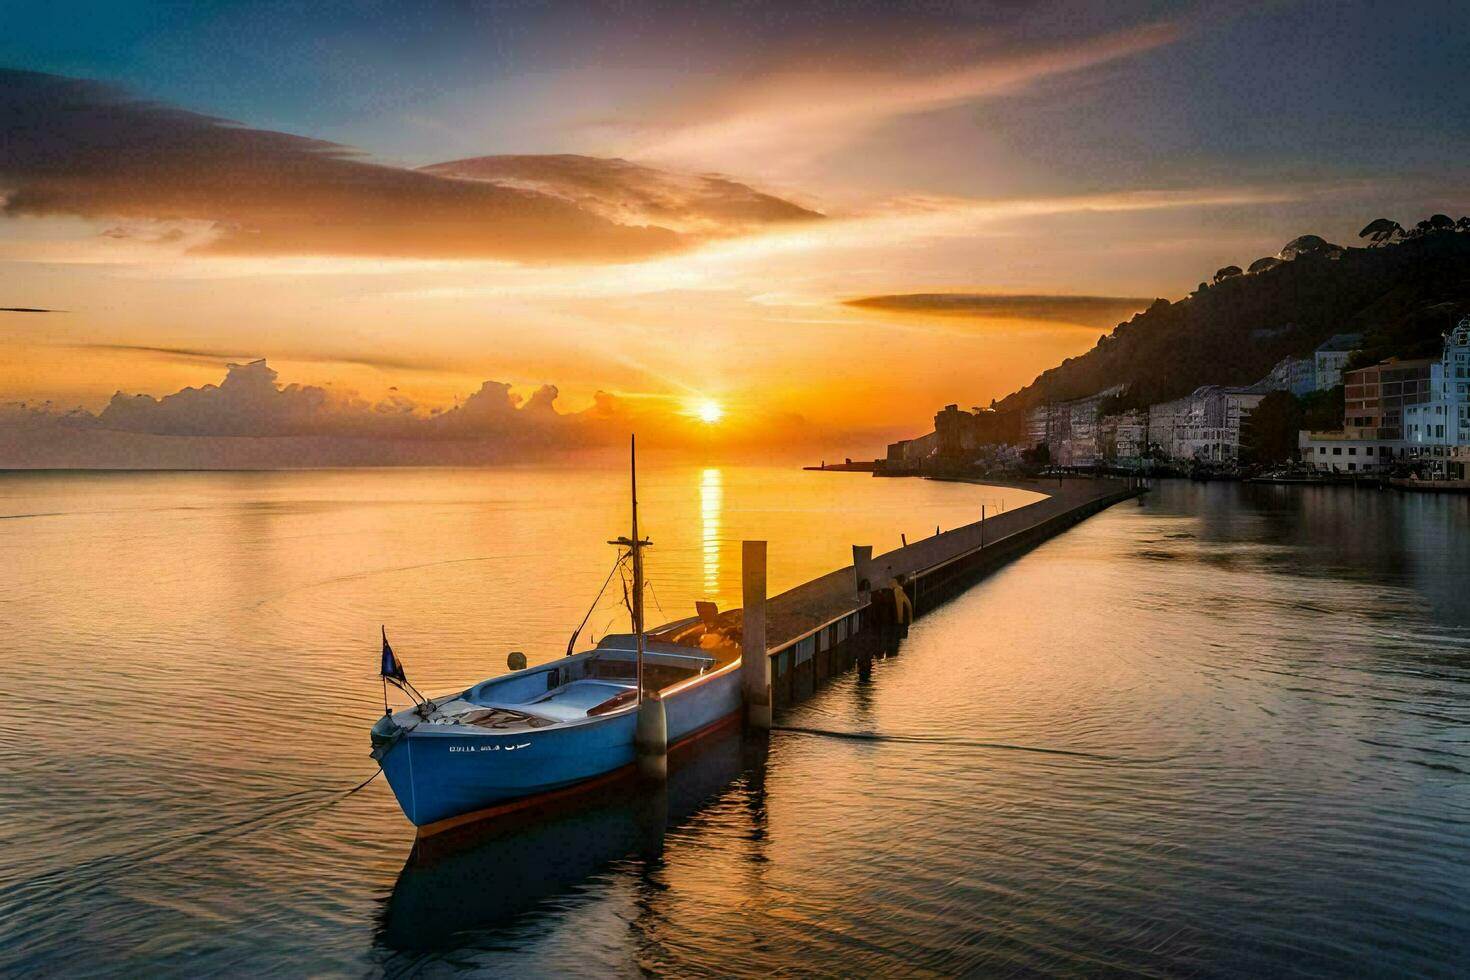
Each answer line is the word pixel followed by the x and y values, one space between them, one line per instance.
pixel 1220 731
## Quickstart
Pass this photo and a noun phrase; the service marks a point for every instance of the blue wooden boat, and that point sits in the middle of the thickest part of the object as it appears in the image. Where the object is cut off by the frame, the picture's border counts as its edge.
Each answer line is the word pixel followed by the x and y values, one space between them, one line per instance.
pixel 511 740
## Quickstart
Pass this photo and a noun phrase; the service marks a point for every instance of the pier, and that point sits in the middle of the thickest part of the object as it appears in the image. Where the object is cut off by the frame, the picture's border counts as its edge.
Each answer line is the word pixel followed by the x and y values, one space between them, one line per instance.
pixel 826 626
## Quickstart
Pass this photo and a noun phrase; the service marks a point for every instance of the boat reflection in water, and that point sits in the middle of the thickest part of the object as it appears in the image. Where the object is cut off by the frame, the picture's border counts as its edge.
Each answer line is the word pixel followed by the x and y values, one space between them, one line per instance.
pixel 475 878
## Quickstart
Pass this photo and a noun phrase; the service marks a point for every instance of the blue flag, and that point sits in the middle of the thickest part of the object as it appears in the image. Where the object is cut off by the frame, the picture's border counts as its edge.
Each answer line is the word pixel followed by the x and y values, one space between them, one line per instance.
pixel 392 670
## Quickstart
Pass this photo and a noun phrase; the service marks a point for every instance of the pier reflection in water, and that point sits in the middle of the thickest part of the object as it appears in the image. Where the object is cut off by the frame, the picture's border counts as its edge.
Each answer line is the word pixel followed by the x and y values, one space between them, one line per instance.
pixel 1218 733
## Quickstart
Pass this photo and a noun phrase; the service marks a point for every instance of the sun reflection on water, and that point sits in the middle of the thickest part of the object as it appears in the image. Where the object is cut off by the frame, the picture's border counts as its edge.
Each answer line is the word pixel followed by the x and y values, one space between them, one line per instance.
pixel 711 510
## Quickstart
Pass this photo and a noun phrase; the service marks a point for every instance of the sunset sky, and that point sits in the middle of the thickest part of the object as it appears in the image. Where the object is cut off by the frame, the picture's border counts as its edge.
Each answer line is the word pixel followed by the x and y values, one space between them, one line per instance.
pixel 189 185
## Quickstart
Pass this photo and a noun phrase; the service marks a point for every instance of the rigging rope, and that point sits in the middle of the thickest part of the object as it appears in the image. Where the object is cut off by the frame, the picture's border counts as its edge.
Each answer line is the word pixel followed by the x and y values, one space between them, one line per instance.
pixel 598 598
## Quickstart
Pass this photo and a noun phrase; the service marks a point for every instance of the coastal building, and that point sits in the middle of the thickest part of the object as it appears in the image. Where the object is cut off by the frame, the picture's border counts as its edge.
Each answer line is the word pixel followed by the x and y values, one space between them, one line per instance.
pixel 1166 422
pixel 1444 420
pixel 1205 425
pixel 1329 359
pixel 1038 425
pixel 960 436
pixel 1375 397
pixel 1122 438
pixel 1377 401
pixel 953 432
pixel 907 455
pixel 1346 451
pixel 1079 447
pixel 1131 437
pixel 1070 429
pixel 1211 429
pixel 1437 431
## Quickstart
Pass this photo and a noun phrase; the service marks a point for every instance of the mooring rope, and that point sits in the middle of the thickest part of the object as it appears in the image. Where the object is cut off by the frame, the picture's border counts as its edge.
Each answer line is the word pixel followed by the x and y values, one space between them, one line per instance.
pixel 357 787
pixel 957 741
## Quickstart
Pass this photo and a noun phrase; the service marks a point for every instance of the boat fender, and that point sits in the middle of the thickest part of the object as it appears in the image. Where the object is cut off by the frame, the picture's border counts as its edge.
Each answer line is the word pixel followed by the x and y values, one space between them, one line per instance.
pixel 651 738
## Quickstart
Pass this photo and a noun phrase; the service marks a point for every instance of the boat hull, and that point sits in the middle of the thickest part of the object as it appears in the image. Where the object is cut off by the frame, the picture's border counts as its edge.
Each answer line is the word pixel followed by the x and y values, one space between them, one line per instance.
pixel 438 773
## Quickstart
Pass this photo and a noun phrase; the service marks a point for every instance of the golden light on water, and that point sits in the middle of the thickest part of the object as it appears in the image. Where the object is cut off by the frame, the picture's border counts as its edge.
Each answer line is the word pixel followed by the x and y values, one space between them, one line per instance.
pixel 711 509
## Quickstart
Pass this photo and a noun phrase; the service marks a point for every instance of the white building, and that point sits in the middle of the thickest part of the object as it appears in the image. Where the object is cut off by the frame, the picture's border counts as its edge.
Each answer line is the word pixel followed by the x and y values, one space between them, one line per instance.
pixel 1070 429
pixel 1212 428
pixel 1331 357
pixel 1205 426
pixel 1130 436
pixel 1434 429
pixel 1438 430
pixel 1444 420
pixel 1166 422
pixel 1350 451
pixel 1038 425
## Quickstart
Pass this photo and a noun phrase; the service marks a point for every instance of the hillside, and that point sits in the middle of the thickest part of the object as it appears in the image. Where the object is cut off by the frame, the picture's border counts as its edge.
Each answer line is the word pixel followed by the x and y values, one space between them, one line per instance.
pixel 1400 296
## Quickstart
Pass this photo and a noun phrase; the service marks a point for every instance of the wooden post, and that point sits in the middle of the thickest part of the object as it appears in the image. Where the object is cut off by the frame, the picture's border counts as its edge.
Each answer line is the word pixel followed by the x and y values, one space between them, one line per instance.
pixel 755 664
pixel 862 560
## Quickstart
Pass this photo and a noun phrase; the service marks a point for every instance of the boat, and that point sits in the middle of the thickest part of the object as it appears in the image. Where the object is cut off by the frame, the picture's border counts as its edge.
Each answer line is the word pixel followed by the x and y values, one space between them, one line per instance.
pixel 512 741
pixel 1290 476
pixel 1441 485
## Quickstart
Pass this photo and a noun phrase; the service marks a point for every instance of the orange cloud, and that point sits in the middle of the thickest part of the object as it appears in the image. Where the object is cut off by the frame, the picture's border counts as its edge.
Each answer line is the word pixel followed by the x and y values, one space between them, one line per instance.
pixel 633 194
pixel 90 151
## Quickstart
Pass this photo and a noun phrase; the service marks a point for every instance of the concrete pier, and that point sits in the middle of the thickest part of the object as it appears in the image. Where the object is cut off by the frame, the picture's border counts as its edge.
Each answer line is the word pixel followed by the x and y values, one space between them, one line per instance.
pixel 824 626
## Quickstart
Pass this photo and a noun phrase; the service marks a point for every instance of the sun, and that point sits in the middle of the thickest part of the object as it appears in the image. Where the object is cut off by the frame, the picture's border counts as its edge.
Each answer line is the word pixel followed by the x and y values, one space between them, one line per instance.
pixel 709 411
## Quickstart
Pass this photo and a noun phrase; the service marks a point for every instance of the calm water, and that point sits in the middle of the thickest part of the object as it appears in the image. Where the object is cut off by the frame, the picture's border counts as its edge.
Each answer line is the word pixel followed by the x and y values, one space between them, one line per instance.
pixel 1223 733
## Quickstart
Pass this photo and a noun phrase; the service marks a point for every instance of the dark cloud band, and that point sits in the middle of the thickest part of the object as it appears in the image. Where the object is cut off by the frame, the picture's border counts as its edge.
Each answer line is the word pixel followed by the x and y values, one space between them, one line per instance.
pixel 1090 311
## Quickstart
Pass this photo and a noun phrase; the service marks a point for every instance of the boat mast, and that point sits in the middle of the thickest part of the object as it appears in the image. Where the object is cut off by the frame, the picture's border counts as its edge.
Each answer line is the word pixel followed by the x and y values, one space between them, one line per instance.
pixel 637 546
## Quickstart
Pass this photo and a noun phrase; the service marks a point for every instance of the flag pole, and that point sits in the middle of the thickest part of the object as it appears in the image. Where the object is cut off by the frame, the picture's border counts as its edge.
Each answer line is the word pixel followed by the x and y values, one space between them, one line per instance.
pixel 383 628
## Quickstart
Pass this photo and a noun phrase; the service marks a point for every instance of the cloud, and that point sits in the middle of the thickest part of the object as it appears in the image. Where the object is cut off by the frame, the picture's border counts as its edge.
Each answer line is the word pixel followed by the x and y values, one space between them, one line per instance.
pixel 250 420
pixel 27 309
pixel 180 353
pixel 80 148
pixel 1090 311
pixel 805 112
pixel 633 194
pixel 216 355
pixel 249 402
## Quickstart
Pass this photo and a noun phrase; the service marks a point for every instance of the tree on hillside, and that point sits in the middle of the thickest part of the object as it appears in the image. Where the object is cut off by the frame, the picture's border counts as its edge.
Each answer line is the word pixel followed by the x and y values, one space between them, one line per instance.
pixel 1227 272
pixel 1264 263
pixel 1268 435
pixel 1308 245
pixel 1381 230
pixel 1322 411
pixel 1401 297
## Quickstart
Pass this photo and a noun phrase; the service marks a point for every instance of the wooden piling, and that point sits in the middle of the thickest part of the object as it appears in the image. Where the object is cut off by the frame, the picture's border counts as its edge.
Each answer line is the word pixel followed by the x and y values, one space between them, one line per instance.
pixel 755 662
pixel 862 560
